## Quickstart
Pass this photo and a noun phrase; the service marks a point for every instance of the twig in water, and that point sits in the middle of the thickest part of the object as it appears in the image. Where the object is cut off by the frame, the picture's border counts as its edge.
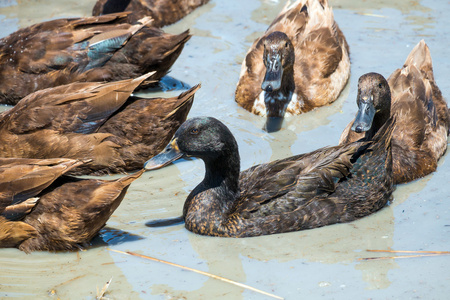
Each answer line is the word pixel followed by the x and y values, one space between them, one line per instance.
pixel 199 272
pixel 409 251
pixel 418 254
pixel 102 292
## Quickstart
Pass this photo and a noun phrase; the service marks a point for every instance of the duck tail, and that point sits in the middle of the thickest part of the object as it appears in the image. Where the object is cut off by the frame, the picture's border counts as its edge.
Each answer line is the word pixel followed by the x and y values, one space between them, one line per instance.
pixel 420 57
pixel 187 98
pixel 127 180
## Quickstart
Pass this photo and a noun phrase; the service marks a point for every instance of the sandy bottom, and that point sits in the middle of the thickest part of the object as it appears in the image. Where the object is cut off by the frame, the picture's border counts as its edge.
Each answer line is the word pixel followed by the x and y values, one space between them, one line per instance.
pixel 312 264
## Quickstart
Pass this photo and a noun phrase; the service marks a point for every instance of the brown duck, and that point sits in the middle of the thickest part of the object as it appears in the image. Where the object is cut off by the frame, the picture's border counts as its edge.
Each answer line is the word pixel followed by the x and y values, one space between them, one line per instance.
pixel 300 63
pixel 422 117
pixel 104 48
pixel 99 122
pixel 327 186
pixel 163 12
pixel 67 213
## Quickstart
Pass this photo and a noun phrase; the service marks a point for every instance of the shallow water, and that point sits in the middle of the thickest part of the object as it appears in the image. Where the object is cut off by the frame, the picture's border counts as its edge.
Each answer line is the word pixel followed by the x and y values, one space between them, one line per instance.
pixel 312 264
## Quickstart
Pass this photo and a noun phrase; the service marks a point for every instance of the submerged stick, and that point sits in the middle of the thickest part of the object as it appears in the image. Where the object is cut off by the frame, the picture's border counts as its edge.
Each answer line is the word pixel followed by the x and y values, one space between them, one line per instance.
pixel 199 272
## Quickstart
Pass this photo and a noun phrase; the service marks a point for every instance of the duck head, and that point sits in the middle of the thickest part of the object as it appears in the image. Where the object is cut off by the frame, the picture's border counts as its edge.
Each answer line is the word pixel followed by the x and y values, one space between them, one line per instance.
pixel 374 103
pixel 203 137
pixel 278 83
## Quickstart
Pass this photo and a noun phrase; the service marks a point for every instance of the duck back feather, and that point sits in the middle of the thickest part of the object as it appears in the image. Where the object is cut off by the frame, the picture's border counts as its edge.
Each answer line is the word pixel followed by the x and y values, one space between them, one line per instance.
pixel 104 48
pixel 163 12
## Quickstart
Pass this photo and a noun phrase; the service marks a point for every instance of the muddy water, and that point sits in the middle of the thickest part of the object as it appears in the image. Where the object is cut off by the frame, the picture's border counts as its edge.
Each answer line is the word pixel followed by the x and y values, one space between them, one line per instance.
pixel 313 264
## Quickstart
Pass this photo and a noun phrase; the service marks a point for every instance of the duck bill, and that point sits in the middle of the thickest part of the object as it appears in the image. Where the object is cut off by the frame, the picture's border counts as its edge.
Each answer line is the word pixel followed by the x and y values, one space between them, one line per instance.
pixel 274 73
pixel 273 124
pixel 170 154
pixel 364 118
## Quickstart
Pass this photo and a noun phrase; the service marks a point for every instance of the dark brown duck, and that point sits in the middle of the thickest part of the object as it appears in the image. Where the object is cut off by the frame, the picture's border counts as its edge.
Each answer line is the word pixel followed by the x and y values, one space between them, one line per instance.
pixel 42 210
pixel 300 63
pixel 96 122
pixel 104 48
pixel 421 115
pixel 327 186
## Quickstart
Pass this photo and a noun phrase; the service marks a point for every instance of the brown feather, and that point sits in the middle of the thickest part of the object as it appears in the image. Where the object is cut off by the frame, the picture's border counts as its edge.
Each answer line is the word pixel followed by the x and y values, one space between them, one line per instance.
pixel 164 12
pixel 104 48
pixel 98 122
pixel 72 211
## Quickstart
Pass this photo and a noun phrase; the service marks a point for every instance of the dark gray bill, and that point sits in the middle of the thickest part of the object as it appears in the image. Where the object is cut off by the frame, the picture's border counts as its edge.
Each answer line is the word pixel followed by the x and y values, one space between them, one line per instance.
pixel 274 72
pixel 170 154
pixel 364 118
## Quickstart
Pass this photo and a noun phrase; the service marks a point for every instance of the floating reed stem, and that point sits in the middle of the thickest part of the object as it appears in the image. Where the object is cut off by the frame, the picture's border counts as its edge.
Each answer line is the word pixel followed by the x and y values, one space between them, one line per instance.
pixel 199 272
pixel 417 254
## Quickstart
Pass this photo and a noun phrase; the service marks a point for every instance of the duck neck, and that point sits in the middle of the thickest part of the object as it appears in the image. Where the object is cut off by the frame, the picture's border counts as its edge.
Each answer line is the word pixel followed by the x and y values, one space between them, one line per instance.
pixel 380 118
pixel 213 198
pixel 277 101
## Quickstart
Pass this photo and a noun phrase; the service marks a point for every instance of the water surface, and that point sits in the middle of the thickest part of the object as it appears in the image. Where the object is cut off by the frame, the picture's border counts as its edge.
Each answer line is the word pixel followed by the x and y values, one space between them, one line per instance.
pixel 314 264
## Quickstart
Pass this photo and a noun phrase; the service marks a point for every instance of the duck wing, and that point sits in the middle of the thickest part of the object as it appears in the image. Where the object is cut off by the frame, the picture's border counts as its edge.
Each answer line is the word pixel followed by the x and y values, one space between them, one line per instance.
pixel 72 211
pixel 145 125
pixel 22 178
pixel 104 48
pixel 280 186
pixel 76 107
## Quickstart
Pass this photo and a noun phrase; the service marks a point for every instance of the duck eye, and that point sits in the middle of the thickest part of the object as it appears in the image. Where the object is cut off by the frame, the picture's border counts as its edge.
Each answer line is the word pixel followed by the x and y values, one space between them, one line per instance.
pixel 194 130
pixel 380 85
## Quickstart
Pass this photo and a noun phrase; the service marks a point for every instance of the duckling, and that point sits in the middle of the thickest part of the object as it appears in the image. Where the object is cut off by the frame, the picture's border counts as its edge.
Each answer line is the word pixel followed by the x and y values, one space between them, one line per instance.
pixel 330 185
pixel 104 48
pixel 68 212
pixel 422 116
pixel 98 122
pixel 300 63
pixel 163 12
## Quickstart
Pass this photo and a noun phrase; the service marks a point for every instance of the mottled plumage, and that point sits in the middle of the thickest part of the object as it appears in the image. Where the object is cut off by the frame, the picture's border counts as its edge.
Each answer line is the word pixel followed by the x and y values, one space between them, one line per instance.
pixel 421 113
pixel 327 186
pixel 98 122
pixel 104 48
pixel 300 63
pixel 67 212
pixel 163 12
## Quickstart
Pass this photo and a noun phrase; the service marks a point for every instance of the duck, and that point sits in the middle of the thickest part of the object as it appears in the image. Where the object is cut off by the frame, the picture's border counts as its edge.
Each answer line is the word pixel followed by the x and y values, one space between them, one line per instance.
pixel 67 212
pixel 101 123
pixel 329 185
pixel 301 62
pixel 92 49
pixel 422 116
pixel 163 12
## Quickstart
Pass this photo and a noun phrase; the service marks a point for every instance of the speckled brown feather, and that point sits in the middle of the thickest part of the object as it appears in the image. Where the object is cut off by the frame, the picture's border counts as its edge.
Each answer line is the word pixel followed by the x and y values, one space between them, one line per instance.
pixel 92 121
pixel 72 211
pixel 13 233
pixel 62 51
pixel 422 118
pixel 321 67
pixel 163 12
